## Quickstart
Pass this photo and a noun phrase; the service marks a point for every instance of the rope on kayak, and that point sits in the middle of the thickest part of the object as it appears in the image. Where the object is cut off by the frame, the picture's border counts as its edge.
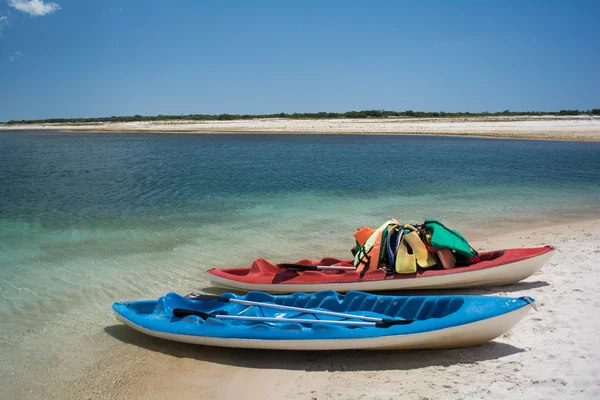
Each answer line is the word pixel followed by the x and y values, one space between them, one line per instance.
pixel 531 301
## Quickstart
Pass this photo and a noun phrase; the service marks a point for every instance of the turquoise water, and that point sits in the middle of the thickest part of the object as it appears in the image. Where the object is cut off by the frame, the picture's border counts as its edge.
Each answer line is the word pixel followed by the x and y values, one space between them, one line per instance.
pixel 86 215
pixel 88 218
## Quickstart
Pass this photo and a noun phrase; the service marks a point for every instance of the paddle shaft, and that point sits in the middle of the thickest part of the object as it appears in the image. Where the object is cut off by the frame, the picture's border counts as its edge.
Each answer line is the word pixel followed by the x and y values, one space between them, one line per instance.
pixel 194 296
pixel 316 267
pixel 383 323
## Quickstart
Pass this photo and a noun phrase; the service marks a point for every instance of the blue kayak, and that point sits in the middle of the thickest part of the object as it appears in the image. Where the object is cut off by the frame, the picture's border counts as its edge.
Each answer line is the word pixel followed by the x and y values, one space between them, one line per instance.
pixel 325 320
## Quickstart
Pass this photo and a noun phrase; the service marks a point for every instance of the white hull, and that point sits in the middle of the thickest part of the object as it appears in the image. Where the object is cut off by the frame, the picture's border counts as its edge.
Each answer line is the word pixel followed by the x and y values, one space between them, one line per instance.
pixel 495 276
pixel 457 336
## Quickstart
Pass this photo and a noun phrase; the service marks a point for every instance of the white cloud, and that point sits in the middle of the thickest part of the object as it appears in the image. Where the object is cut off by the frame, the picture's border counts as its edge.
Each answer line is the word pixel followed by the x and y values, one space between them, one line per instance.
pixel 14 57
pixel 3 23
pixel 34 8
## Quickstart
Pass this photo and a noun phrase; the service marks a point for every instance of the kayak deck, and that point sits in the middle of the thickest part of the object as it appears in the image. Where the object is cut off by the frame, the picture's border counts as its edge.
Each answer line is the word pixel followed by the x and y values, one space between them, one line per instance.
pixel 498 267
pixel 476 319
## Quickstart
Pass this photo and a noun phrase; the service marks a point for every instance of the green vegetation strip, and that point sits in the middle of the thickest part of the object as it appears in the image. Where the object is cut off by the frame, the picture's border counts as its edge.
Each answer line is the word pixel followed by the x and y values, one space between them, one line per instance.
pixel 319 115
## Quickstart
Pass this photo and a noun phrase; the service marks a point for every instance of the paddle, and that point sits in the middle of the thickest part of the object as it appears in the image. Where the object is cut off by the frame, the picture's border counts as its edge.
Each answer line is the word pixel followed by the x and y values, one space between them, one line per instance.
pixel 208 297
pixel 383 323
pixel 300 267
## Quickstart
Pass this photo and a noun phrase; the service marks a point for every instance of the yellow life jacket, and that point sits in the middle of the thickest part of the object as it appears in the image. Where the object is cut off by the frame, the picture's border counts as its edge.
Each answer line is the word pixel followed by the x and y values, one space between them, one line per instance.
pixel 407 263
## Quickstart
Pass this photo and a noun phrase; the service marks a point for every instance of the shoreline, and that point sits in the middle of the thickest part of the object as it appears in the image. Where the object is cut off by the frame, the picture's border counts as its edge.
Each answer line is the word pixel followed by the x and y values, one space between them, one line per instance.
pixel 583 128
pixel 430 134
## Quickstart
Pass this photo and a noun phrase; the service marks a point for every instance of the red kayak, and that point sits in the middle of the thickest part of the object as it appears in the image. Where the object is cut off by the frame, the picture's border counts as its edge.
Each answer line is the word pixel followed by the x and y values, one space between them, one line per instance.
pixel 494 268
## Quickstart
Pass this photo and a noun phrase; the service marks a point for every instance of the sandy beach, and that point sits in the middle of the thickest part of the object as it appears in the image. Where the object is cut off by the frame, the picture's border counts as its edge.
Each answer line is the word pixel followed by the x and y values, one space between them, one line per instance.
pixel 580 128
pixel 551 353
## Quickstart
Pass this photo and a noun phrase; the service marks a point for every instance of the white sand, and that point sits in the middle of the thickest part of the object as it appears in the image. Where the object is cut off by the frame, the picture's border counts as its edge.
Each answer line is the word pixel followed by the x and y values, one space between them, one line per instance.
pixel 584 128
pixel 552 353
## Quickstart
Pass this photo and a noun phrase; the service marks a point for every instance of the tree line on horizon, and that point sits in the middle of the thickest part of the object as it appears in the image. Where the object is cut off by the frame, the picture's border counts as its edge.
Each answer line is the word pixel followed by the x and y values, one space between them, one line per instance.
pixel 319 115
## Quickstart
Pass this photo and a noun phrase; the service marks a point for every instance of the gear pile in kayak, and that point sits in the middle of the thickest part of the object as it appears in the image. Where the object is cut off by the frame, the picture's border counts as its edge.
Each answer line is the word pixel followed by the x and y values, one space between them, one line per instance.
pixel 402 248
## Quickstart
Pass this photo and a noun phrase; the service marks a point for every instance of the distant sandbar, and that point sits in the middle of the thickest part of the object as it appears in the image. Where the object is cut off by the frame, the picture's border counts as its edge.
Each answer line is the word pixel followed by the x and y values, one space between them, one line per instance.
pixel 576 128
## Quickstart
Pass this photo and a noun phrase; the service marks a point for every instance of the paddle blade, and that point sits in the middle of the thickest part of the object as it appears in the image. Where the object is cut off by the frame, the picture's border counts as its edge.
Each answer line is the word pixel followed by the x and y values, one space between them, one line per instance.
pixel 298 267
pixel 301 267
pixel 207 297
pixel 386 323
pixel 182 313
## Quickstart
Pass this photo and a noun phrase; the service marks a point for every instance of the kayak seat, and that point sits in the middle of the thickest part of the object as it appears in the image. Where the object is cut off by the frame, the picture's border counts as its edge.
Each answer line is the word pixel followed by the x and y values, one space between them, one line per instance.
pixel 491 255
pixel 283 276
pixel 421 308
pixel 145 307
pixel 263 266
pixel 332 304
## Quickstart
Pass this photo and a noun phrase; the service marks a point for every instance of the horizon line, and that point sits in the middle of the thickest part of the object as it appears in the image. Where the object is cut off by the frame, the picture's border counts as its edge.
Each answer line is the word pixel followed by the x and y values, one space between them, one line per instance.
pixel 317 115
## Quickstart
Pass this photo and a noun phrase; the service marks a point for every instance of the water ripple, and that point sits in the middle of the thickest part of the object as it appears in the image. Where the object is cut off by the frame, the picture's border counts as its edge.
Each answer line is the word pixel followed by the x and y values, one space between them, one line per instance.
pixel 88 218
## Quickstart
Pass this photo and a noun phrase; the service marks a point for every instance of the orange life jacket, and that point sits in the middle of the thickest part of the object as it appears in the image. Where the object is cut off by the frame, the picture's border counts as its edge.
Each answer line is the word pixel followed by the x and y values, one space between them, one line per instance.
pixel 369 247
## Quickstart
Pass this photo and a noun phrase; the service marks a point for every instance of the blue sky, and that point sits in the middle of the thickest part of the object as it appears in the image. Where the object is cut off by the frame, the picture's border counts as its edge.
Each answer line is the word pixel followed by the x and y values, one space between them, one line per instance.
pixel 85 58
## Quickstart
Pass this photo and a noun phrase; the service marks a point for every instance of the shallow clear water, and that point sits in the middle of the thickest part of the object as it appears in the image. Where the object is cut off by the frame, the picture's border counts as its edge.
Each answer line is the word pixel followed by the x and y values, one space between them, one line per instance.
pixel 88 218
pixel 90 215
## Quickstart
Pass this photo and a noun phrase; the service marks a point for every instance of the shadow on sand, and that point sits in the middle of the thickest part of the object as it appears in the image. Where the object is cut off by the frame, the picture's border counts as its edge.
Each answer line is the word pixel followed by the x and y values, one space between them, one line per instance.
pixel 348 360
